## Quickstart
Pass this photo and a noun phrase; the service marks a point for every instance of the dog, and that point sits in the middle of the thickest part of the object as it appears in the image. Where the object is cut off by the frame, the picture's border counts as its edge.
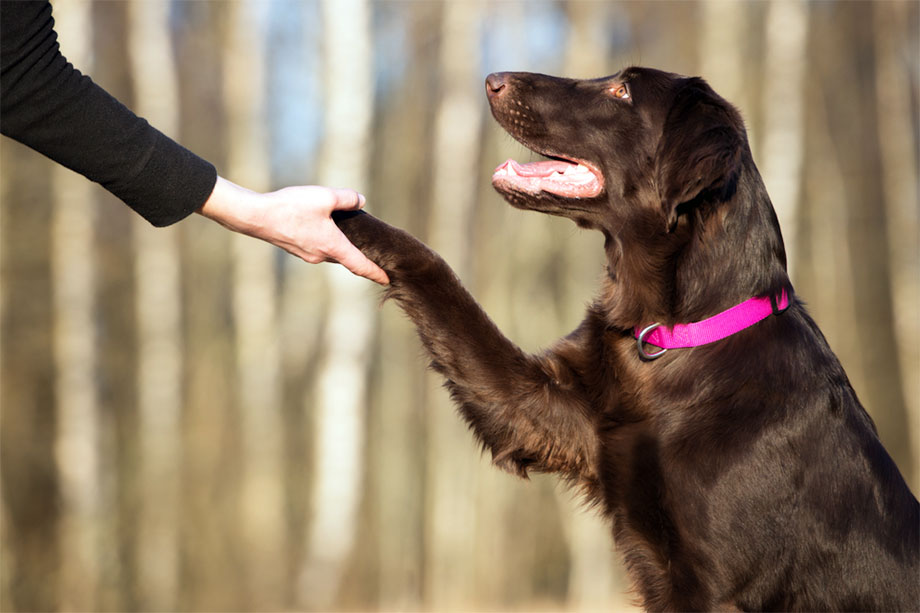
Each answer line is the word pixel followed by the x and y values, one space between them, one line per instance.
pixel 698 404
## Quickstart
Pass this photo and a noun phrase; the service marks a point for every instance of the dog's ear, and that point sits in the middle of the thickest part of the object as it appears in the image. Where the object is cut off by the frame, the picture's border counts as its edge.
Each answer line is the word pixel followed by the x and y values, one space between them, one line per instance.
pixel 700 148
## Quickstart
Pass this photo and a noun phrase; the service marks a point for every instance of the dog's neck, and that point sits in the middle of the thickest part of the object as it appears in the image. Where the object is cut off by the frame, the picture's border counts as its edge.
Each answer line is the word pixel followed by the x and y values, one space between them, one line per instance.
pixel 720 253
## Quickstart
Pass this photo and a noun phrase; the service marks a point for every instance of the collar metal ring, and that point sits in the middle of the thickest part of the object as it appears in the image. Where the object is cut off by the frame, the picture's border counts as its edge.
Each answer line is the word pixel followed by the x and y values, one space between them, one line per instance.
pixel 640 344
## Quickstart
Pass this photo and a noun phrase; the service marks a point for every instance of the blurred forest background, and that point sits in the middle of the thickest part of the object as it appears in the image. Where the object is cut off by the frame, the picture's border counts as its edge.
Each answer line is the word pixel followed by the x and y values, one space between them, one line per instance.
pixel 193 420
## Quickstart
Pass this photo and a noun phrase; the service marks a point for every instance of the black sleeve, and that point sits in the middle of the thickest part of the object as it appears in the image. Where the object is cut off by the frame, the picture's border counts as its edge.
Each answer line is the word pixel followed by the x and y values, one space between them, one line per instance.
pixel 47 104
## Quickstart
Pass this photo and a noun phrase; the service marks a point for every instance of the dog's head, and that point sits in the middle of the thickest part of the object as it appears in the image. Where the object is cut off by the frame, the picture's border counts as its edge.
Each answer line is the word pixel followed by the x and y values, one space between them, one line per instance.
pixel 661 165
pixel 641 140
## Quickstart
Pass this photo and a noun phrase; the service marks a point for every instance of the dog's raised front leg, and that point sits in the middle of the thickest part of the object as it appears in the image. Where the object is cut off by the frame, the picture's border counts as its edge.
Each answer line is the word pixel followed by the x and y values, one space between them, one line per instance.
pixel 531 411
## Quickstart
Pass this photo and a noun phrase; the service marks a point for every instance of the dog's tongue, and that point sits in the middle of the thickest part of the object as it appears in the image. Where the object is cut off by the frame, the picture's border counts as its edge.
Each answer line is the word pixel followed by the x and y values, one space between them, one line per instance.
pixel 537 169
pixel 566 179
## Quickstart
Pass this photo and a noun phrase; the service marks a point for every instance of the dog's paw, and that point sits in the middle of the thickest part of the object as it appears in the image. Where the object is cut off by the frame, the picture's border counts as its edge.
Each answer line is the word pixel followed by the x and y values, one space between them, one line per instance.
pixel 396 251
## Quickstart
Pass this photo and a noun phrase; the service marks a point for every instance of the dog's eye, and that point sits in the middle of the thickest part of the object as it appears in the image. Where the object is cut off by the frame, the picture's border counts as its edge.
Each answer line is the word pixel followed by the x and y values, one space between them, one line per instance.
pixel 620 91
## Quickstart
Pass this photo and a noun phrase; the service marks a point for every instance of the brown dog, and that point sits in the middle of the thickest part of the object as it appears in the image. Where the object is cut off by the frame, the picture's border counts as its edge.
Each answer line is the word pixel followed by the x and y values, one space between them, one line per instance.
pixel 738 473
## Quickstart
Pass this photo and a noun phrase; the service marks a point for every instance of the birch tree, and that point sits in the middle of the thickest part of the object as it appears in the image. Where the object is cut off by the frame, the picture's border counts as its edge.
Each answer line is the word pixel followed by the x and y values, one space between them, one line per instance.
pixel 842 57
pixel 896 54
pixel 783 105
pixel 160 363
pixel 78 444
pixel 452 477
pixel 340 407
pixel 823 275
pixel 255 310
pixel 209 515
pixel 721 45
pixel 397 421
pixel 27 433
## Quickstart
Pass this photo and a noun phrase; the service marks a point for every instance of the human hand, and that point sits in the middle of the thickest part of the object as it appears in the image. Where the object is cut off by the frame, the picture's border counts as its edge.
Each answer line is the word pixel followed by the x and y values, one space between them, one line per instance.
pixel 297 219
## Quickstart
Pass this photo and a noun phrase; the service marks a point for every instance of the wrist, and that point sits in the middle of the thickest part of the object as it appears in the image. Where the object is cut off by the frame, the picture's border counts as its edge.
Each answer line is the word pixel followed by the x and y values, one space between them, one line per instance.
pixel 233 206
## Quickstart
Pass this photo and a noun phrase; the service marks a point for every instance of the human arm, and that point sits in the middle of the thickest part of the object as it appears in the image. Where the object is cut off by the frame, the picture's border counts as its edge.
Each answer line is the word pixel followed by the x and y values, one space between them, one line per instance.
pixel 50 106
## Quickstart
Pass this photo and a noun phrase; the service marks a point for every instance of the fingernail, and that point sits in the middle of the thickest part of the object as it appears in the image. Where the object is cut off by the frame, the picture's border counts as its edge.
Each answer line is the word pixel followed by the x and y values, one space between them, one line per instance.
pixel 361 200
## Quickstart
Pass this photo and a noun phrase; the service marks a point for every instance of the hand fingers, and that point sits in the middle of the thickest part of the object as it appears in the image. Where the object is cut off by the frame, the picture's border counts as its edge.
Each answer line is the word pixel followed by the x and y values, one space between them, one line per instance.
pixel 351 258
pixel 348 200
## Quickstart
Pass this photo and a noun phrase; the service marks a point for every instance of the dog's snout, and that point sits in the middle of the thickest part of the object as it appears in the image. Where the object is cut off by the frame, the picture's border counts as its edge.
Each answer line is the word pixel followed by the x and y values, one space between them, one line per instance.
pixel 496 84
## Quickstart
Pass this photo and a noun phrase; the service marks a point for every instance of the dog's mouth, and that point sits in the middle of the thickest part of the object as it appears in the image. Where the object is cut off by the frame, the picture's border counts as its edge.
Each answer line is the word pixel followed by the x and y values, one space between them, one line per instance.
pixel 557 176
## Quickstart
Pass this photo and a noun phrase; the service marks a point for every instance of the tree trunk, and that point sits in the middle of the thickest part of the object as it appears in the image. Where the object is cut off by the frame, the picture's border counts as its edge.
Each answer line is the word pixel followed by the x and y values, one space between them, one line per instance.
pixel 342 380
pixel 158 305
pixel 721 40
pixel 452 473
pixel 848 56
pixel 823 277
pixel 212 556
pixel 78 445
pixel 27 420
pixel 399 412
pixel 783 105
pixel 255 313
pixel 895 38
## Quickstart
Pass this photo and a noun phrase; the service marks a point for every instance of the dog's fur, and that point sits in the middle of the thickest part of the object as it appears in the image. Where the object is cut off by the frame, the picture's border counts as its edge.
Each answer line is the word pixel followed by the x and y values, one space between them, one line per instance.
pixel 743 474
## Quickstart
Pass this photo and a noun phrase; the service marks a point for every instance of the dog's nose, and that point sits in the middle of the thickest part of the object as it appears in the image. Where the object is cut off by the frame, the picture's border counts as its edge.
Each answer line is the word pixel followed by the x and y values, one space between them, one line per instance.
pixel 495 84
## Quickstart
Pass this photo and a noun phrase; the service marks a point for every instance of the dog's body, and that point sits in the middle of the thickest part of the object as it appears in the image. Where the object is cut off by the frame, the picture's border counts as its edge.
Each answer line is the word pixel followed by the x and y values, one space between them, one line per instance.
pixel 742 474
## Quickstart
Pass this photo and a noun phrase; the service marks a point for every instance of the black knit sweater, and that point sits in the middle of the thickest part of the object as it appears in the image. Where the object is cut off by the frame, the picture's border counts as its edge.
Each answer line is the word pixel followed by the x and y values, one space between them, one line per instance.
pixel 48 105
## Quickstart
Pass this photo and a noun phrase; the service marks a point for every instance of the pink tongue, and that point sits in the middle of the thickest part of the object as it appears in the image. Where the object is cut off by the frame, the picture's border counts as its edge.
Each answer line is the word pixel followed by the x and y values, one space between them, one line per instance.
pixel 540 169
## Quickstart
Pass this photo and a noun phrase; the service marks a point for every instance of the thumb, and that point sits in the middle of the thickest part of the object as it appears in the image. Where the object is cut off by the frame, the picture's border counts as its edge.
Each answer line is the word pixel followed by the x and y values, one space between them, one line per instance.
pixel 351 258
pixel 348 200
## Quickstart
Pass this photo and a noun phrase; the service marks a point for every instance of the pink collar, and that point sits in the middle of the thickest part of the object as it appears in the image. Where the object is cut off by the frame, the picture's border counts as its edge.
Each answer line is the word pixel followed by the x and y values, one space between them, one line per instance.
pixel 710 330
